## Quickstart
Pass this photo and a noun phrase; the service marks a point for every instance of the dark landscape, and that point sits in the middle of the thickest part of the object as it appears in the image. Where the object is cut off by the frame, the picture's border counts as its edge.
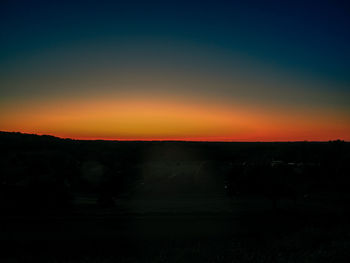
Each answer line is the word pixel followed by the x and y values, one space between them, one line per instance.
pixel 66 200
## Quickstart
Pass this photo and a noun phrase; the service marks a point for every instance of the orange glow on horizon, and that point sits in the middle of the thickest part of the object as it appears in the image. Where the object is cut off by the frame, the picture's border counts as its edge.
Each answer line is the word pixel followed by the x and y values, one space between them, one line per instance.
pixel 150 118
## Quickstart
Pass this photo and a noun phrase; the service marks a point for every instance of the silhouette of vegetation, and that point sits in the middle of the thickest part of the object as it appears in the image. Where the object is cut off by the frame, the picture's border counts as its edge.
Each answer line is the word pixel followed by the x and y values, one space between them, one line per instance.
pixel 141 196
pixel 47 172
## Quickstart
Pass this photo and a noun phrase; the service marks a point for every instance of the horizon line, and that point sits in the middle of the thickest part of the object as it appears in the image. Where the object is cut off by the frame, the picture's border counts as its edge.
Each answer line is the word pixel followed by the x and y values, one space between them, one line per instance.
pixel 171 140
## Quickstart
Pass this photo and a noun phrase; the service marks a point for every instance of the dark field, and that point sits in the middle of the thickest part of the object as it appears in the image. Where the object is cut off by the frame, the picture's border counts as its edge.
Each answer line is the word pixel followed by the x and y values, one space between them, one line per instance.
pixel 98 201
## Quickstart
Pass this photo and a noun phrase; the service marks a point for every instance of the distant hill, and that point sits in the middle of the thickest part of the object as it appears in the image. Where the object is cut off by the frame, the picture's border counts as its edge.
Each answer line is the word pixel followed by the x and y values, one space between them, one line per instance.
pixel 180 150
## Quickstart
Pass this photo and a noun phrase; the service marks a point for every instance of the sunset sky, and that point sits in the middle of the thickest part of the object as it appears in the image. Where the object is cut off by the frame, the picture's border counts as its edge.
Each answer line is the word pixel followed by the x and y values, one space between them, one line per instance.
pixel 176 70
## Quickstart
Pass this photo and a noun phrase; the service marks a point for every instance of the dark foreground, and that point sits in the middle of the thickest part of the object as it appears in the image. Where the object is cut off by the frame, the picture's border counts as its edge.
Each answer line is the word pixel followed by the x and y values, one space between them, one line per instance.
pixel 244 237
pixel 74 201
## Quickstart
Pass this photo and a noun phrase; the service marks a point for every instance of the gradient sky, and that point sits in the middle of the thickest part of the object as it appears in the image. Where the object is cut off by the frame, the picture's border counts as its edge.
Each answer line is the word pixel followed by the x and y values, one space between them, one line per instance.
pixel 176 70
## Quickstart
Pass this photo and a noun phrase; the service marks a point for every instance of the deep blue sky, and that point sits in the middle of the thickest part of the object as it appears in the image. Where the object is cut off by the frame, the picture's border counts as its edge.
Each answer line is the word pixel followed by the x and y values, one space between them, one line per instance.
pixel 310 37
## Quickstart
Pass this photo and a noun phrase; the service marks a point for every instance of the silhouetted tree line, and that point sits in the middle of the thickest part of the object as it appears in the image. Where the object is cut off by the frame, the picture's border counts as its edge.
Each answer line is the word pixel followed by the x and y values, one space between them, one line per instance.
pixel 41 173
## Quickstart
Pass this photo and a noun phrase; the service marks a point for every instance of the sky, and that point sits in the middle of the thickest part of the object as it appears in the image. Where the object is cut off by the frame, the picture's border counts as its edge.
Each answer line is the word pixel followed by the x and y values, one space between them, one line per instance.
pixel 176 70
